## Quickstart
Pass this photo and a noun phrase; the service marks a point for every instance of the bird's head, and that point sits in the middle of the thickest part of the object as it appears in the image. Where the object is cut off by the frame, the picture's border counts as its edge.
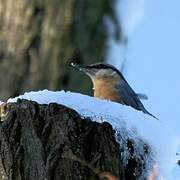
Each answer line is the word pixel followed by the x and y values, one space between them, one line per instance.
pixel 100 71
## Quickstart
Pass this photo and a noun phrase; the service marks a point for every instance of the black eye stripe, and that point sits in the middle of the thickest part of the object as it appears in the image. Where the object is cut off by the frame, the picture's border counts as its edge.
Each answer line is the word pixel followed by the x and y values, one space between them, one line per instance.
pixel 105 66
pixel 98 66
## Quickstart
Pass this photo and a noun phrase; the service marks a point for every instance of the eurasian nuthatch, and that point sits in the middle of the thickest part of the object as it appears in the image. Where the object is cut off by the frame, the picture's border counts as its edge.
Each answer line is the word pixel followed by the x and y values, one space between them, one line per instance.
pixel 109 83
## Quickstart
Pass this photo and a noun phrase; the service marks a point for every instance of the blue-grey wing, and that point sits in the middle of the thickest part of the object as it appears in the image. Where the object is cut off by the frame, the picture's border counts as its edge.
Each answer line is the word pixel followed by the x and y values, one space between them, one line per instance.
pixel 142 96
pixel 130 98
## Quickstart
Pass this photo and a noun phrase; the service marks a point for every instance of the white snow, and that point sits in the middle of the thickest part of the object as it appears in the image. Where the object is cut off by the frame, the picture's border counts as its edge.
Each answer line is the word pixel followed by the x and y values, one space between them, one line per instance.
pixel 156 133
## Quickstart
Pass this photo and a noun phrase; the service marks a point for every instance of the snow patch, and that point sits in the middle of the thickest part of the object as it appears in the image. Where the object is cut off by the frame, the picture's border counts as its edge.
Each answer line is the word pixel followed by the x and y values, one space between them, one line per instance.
pixel 156 133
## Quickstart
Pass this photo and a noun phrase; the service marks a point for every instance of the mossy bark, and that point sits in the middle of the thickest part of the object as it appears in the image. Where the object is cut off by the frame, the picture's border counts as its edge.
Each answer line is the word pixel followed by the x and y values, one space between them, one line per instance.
pixel 53 142
pixel 38 39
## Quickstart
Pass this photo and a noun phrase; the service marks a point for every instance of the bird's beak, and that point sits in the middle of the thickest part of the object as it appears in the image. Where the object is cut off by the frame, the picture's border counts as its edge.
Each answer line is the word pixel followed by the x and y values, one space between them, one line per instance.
pixel 86 70
pixel 77 66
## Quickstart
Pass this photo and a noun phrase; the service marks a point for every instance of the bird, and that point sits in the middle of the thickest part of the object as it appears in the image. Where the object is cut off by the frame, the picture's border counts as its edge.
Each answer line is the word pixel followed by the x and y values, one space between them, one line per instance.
pixel 109 83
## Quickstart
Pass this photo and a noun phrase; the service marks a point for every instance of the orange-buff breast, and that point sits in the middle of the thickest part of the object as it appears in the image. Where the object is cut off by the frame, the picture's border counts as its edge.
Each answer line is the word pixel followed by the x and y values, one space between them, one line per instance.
pixel 105 89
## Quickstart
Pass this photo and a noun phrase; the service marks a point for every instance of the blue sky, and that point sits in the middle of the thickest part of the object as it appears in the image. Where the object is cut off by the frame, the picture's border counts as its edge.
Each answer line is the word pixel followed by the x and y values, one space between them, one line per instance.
pixel 153 68
pixel 153 54
pixel 153 65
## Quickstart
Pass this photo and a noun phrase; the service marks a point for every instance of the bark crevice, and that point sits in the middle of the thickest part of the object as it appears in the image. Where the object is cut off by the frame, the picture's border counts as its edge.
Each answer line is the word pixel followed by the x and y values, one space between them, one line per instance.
pixel 52 142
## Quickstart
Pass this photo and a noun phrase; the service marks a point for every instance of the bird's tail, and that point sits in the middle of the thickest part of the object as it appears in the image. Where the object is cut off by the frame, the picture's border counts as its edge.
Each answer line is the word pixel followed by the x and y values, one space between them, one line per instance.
pixel 146 112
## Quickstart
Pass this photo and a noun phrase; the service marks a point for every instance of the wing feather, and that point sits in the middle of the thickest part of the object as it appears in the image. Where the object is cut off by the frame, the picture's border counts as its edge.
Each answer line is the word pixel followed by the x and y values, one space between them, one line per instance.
pixel 142 96
pixel 130 98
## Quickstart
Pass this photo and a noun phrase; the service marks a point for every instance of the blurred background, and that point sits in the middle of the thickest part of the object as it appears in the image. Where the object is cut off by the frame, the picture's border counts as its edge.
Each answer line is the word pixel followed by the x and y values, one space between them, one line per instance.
pixel 39 38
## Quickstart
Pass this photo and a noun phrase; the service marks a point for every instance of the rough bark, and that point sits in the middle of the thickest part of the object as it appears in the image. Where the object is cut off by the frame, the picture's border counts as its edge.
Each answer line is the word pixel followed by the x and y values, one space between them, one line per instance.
pixel 38 39
pixel 53 142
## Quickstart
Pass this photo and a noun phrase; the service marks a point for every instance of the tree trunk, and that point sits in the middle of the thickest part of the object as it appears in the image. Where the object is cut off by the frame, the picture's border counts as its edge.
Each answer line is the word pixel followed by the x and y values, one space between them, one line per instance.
pixel 39 38
pixel 53 142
